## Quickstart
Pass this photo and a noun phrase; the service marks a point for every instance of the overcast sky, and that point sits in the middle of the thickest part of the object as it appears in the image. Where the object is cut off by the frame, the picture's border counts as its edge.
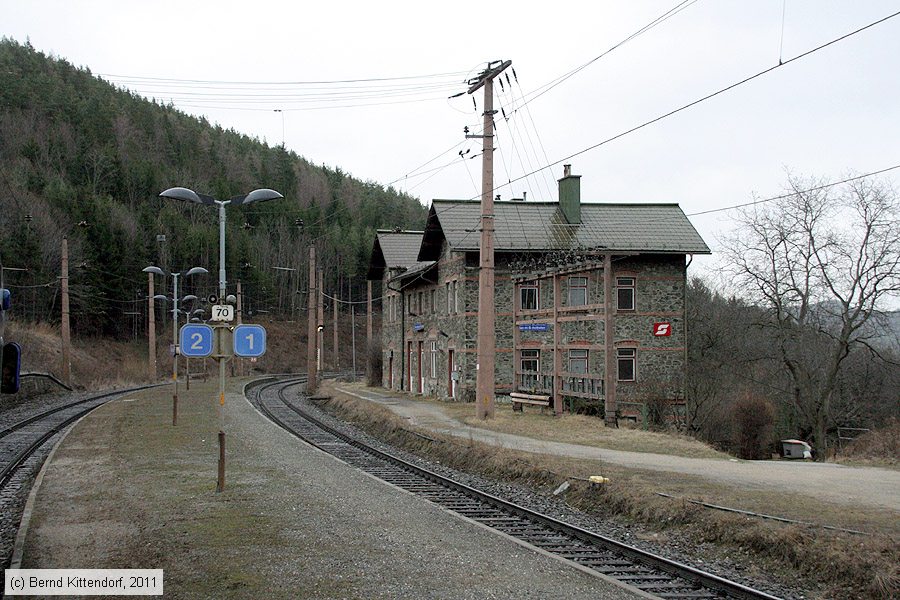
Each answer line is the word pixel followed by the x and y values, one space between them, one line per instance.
pixel 828 114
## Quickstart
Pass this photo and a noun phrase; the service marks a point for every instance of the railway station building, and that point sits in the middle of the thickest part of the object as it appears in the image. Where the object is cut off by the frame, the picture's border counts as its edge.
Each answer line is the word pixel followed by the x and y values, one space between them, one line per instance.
pixel 589 301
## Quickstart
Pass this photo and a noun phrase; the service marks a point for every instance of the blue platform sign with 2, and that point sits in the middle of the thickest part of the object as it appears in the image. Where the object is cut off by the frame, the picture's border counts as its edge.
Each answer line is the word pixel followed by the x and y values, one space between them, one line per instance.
pixel 196 340
pixel 249 340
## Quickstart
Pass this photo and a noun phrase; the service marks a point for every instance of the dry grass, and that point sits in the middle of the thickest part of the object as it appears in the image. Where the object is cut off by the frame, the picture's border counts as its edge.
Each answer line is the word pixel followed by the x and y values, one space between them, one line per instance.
pixel 839 565
pixel 880 447
pixel 96 362
pixel 581 429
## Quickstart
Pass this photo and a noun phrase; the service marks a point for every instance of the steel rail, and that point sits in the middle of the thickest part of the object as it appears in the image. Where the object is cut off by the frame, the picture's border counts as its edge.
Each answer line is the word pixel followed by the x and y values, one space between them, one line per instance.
pixel 708 582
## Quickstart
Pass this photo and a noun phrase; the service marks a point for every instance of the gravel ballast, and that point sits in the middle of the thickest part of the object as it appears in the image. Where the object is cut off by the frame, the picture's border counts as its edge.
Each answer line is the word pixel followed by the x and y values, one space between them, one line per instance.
pixel 127 490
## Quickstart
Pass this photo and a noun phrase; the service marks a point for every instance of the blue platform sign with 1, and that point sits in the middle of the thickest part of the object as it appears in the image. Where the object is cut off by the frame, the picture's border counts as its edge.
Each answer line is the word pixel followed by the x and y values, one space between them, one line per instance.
pixel 196 340
pixel 249 340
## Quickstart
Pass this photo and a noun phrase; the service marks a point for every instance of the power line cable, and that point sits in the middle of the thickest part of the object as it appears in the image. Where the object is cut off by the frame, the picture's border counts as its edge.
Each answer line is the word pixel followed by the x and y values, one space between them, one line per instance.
pixel 708 96
pixel 309 82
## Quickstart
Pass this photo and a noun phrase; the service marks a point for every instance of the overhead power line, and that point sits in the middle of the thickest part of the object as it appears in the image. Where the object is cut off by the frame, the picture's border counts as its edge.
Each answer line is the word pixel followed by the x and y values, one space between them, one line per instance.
pixel 704 98
pixel 309 82
pixel 546 87
pixel 793 193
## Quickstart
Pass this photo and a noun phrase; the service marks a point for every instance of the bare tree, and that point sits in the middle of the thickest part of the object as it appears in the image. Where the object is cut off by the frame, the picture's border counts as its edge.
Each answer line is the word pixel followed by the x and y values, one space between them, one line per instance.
pixel 821 261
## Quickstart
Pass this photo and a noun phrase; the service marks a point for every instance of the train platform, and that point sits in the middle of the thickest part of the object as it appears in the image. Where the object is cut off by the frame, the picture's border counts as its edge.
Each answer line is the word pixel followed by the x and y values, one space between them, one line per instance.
pixel 126 489
pixel 874 487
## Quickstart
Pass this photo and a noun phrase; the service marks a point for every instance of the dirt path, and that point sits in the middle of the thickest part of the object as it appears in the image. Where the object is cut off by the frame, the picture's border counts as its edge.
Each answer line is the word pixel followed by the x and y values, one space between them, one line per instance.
pixel 841 484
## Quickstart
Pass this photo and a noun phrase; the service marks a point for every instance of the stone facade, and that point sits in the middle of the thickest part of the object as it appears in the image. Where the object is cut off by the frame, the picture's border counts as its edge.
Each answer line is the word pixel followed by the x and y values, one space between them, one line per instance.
pixel 557 334
pixel 429 330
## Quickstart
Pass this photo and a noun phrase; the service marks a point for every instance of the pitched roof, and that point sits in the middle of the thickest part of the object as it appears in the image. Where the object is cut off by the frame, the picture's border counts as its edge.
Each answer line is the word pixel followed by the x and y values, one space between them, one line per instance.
pixel 540 226
pixel 394 249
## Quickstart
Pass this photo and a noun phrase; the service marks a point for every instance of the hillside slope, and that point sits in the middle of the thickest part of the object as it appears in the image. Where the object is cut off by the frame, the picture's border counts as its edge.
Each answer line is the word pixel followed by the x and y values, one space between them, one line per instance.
pixel 83 159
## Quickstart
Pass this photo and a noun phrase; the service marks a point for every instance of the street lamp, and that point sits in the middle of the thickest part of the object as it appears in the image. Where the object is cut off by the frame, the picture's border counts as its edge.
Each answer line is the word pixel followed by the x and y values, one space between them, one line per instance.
pixel 189 298
pixel 187 195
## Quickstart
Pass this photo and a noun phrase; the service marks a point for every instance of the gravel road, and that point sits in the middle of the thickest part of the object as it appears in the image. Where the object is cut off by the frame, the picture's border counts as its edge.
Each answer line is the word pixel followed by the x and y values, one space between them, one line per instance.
pixel 826 481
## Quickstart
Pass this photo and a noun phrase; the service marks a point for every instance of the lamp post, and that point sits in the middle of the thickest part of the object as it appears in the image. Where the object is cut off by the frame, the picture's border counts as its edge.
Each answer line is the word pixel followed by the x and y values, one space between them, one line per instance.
pixel 187 195
pixel 157 271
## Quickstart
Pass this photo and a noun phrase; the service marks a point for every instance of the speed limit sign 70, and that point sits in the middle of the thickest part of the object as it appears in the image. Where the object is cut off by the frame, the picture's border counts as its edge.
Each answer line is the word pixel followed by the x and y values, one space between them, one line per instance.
pixel 222 312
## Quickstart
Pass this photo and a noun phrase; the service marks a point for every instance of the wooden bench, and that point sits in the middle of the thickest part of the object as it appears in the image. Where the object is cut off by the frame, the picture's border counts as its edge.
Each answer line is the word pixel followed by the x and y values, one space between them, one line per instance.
pixel 520 398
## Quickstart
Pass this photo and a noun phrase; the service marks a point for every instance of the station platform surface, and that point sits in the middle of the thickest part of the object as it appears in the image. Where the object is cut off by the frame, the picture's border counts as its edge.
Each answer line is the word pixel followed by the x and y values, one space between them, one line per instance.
pixel 840 484
pixel 126 489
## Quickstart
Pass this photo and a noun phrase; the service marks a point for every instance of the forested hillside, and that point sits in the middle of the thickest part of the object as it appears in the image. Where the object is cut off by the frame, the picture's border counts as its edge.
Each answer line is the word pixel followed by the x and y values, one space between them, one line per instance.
pixel 82 159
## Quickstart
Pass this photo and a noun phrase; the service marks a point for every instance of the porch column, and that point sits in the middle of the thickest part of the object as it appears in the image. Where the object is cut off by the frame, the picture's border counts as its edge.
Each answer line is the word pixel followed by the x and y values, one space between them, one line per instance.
pixel 557 342
pixel 609 325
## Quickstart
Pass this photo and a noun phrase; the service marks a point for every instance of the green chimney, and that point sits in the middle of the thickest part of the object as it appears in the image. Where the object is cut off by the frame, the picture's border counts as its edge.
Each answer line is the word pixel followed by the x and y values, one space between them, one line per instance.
pixel 570 195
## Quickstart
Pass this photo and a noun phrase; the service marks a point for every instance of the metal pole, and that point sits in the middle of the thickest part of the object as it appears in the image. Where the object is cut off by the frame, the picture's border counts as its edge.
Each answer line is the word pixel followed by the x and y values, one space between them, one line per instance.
pixel 151 329
pixel 311 382
pixel 175 347
pixel 64 325
pixel 239 314
pixel 221 480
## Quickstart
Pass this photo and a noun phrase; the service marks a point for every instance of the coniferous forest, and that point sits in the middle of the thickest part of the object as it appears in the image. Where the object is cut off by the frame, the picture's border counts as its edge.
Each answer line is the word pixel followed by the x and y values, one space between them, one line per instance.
pixel 85 160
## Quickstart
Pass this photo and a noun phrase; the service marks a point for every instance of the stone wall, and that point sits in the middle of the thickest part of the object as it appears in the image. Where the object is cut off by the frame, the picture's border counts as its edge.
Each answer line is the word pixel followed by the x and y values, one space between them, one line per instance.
pixel 659 298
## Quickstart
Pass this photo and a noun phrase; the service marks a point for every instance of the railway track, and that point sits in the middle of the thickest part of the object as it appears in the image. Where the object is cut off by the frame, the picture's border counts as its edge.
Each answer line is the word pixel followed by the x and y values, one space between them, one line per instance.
pixel 21 445
pixel 650 573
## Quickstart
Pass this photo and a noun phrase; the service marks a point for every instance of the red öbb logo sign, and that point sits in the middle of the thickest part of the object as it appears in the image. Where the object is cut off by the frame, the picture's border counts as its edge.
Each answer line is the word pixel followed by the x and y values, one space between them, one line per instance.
pixel 662 329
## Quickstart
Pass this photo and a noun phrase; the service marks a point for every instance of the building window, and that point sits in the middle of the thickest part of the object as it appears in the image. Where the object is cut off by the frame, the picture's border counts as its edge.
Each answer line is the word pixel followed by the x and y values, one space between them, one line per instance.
pixel 626 359
pixel 456 287
pixel 530 362
pixel 578 361
pixel 625 293
pixel 409 303
pixel 433 305
pixel 528 296
pixel 434 360
pixel 577 291
pixel 448 297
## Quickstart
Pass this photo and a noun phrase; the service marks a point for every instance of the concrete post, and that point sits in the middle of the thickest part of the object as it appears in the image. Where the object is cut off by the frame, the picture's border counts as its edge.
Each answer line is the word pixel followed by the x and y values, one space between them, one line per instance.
pixel 64 325
pixel 337 355
pixel 311 347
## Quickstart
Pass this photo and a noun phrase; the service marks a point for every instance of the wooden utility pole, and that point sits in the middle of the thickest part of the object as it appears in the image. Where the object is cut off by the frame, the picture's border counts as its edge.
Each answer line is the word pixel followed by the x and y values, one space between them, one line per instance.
pixel 320 325
pixel 64 325
pixel 337 356
pixel 369 374
pixel 151 330
pixel 485 372
pixel 368 314
pixel 353 336
pixel 311 383
pixel 240 301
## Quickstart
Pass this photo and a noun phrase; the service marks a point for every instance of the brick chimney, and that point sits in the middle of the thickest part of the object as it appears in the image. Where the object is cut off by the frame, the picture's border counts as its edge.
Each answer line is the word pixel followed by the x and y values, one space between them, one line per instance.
pixel 570 195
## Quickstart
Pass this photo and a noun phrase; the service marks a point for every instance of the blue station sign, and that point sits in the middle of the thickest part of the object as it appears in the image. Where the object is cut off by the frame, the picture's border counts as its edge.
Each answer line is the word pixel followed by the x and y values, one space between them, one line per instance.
pixel 249 340
pixel 534 326
pixel 196 340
